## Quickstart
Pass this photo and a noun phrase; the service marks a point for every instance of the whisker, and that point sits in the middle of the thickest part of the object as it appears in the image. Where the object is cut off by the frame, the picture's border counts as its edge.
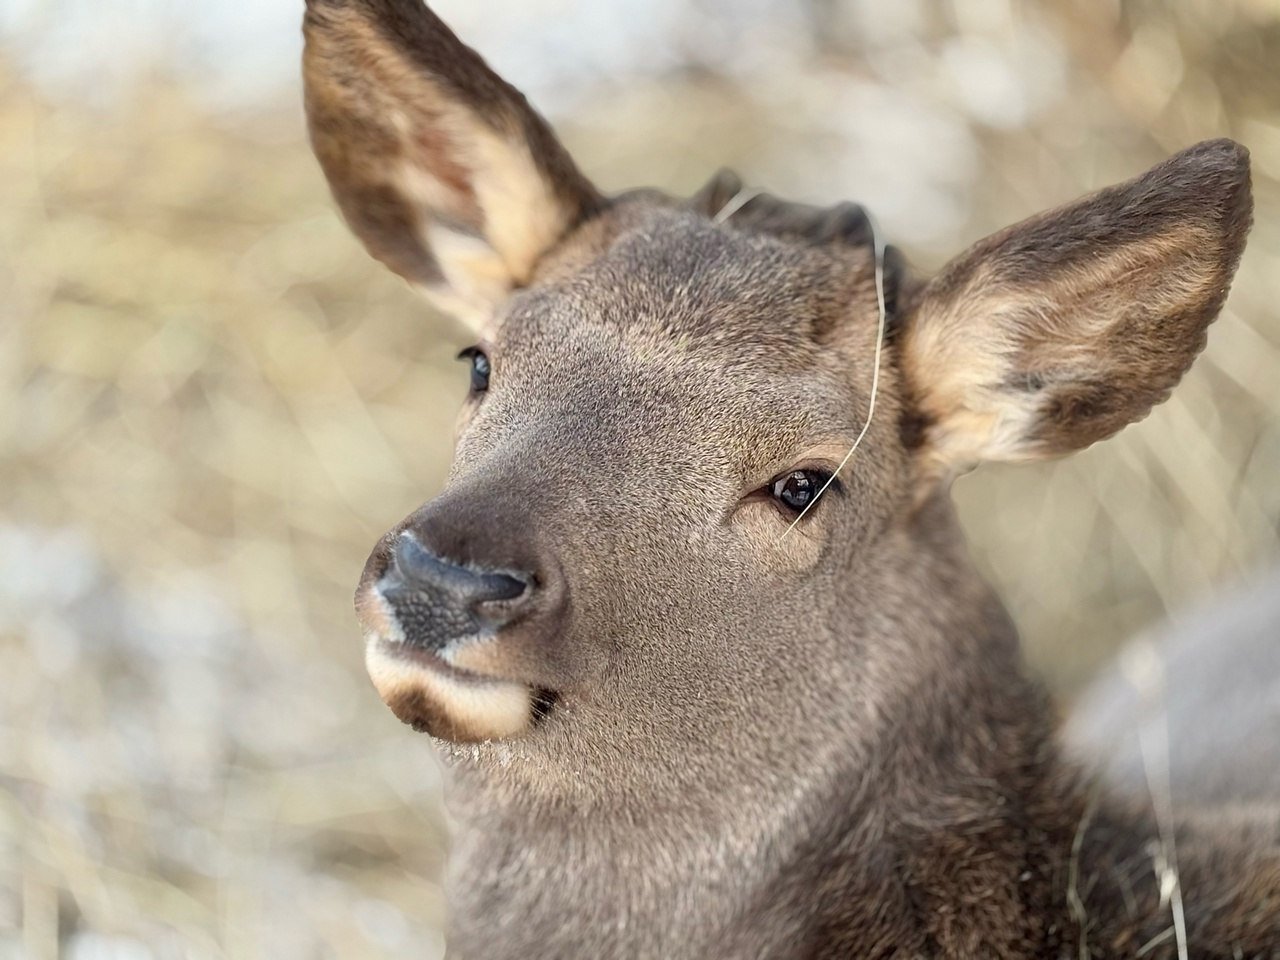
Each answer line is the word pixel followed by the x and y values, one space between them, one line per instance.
pixel 878 246
pixel 736 203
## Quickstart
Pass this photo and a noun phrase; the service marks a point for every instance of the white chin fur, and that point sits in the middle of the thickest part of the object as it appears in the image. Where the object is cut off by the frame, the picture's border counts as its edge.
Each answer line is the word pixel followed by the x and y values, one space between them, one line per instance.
pixel 462 709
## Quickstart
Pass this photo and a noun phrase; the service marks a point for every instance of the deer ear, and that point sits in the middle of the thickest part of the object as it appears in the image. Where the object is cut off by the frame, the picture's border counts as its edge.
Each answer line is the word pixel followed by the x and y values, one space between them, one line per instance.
pixel 441 168
pixel 1062 329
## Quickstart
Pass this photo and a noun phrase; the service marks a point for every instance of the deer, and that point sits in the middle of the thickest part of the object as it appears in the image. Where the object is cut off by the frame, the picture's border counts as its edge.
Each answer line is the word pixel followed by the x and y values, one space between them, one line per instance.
pixel 702 688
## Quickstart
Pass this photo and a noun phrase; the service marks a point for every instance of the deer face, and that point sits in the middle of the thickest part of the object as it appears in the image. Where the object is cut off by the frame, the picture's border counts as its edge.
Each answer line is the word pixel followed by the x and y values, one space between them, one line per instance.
pixel 646 421
pixel 655 397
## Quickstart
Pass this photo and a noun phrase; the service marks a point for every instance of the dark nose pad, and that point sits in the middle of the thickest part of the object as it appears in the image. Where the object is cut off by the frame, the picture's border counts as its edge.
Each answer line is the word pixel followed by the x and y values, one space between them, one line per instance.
pixel 437 601
pixel 469 587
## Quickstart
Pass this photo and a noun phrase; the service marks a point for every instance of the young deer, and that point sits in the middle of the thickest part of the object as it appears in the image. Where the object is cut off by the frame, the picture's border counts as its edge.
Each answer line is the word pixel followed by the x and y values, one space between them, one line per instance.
pixel 675 728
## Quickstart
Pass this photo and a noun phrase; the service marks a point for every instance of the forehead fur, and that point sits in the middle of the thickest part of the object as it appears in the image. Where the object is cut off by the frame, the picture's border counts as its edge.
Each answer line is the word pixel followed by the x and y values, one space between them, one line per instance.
pixel 736 294
pixel 659 343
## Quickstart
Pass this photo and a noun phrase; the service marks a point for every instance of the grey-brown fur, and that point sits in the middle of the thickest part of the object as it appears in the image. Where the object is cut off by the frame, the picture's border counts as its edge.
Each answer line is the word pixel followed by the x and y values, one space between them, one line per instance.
pixel 817 745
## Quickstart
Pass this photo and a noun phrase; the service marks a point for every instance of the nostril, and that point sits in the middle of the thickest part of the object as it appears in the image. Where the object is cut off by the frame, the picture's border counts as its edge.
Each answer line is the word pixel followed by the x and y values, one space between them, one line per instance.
pixel 413 561
pixel 422 568
pixel 502 586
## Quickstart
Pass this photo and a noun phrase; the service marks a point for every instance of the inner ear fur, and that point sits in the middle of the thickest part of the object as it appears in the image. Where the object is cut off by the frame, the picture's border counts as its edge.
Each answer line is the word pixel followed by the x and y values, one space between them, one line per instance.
pixel 1060 330
pixel 440 167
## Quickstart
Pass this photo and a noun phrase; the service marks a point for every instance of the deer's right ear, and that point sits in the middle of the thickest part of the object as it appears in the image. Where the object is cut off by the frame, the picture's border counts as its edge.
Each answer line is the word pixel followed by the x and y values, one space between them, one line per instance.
pixel 1059 330
pixel 441 168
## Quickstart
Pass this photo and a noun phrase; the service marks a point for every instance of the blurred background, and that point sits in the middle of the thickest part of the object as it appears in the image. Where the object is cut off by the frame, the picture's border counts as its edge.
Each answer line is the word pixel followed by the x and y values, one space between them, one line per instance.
pixel 212 402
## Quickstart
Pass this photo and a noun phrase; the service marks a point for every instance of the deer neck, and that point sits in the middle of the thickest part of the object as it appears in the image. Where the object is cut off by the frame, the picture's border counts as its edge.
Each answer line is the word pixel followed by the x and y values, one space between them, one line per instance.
pixel 871 858
pixel 831 842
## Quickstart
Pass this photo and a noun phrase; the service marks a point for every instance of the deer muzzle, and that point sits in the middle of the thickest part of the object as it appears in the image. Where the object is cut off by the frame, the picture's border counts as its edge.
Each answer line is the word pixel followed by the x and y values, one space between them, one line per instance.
pixel 437 601
pixel 435 629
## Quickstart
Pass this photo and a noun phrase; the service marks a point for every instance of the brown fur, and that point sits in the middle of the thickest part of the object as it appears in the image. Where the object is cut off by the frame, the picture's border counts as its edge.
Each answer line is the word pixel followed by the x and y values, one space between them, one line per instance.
pixel 814 745
pixel 1089 314
pixel 389 89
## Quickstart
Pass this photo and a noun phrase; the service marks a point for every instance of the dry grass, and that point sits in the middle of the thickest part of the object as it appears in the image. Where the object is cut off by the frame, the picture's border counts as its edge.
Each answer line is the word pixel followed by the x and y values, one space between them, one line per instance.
pixel 211 404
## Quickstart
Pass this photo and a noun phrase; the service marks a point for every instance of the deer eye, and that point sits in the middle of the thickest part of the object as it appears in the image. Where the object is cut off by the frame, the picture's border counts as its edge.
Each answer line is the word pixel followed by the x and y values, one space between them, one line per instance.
pixel 796 490
pixel 479 368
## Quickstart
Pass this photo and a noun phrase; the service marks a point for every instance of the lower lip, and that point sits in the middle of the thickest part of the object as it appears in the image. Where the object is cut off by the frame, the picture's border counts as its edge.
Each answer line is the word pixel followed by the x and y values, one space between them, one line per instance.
pixel 433 661
pixel 423 689
pixel 382 630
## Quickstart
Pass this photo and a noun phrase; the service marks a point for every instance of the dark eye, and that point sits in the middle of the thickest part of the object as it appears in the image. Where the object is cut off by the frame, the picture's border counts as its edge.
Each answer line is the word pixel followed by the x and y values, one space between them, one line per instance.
pixel 479 368
pixel 797 489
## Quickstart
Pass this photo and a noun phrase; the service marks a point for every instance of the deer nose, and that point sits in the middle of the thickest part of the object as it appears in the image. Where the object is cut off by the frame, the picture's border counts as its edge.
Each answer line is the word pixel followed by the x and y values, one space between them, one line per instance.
pixel 464 586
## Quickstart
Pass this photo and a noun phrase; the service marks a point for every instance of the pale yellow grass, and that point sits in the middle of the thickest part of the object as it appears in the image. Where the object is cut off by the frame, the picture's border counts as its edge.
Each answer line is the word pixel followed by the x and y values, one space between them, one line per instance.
pixel 211 404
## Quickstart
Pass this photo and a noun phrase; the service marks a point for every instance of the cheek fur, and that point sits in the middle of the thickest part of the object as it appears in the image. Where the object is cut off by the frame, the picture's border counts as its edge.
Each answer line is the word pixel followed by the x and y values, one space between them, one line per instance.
pixel 763 533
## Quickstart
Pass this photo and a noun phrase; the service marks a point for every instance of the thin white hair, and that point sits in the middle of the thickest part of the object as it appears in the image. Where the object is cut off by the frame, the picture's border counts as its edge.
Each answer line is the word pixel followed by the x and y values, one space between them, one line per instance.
pixel 736 203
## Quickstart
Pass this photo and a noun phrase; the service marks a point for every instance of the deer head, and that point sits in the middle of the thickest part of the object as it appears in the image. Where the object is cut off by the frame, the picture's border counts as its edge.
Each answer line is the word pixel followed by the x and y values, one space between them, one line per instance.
pixel 607 583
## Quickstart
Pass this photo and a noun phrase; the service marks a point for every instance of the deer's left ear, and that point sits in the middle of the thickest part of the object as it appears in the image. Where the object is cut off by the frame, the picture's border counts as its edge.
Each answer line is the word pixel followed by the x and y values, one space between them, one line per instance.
pixel 1060 330
pixel 441 167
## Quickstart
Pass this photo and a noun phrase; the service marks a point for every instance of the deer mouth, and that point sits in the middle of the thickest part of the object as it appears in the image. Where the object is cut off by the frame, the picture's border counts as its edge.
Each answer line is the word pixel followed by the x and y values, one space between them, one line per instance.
pixel 432 694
